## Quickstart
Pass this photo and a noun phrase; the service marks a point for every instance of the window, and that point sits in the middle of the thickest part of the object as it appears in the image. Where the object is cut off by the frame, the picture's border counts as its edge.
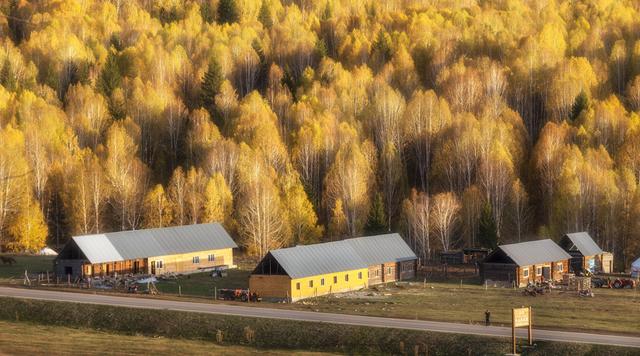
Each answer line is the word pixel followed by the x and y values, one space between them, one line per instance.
pixel 159 264
pixel 346 277
pixel 559 267
pixel 311 284
pixel 525 272
pixel 298 286
pixel 388 270
pixel 359 275
pixel 538 271
pixel 335 279
pixel 210 258
pixel 196 259
pixel 321 281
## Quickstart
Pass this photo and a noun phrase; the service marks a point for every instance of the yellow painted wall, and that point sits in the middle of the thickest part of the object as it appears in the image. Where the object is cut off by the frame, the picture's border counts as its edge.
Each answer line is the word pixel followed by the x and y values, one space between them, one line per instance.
pixel 307 291
pixel 184 262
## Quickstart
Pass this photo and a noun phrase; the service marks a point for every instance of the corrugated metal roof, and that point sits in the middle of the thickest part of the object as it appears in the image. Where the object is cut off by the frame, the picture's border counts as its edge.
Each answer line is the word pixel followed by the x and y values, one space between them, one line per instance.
pixel 381 248
pixel 311 260
pixel 97 248
pixel 534 252
pixel 344 255
pixel 583 242
pixel 128 245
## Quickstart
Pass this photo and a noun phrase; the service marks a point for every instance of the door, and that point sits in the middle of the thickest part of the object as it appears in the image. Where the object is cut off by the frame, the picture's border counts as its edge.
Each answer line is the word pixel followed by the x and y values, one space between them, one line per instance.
pixel 153 267
pixel 136 267
pixel 546 273
pixel 68 270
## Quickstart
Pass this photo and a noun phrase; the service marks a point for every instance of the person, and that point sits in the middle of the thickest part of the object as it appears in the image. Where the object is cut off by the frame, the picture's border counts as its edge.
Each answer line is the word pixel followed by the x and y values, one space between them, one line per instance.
pixel 487 317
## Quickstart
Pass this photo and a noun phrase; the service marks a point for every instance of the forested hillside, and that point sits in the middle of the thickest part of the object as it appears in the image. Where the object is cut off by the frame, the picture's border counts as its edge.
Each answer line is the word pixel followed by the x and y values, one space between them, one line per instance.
pixel 458 123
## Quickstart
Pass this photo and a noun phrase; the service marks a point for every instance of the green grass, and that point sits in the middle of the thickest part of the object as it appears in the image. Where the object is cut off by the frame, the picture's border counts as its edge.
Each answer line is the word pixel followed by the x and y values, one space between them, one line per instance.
pixel 203 285
pixel 19 338
pixel 33 264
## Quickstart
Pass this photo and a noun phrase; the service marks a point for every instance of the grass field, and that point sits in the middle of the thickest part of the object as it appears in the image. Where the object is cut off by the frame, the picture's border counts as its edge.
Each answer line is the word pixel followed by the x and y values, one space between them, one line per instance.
pixel 203 285
pixel 32 339
pixel 33 264
pixel 609 311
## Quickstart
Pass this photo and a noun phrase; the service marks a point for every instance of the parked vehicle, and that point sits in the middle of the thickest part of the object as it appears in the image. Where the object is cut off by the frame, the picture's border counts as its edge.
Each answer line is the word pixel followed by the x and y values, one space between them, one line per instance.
pixel 243 295
pixel 600 282
pixel 624 283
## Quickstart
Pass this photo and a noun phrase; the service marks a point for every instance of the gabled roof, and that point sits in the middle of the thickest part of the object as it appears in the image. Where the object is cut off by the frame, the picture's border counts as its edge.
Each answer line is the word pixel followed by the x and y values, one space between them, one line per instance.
pixel 344 255
pixel 534 252
pixel 381 248
pixel 583 243
pixel 128 245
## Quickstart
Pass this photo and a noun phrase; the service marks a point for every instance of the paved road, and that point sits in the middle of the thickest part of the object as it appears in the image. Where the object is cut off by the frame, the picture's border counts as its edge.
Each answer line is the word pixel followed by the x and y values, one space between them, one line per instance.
pixel 219 308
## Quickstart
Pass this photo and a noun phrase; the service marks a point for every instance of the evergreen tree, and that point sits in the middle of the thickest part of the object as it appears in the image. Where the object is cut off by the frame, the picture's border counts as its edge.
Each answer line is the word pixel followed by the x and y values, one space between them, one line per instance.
pixel 382 48
pixel 228 11
pixel 7 79
pixel 487 230
pixel 321 48
pixel 377 222
pixel 264 16
pixel 110 78
pixel 210 87
pixel 580 104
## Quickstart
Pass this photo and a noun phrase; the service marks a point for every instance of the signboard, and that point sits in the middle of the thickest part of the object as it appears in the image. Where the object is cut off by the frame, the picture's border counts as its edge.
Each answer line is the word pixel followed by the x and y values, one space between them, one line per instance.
pixel 520 317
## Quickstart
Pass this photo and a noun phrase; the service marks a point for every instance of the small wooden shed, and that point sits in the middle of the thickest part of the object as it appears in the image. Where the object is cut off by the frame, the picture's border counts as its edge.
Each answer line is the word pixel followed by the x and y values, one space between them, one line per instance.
pixel 586 254
pixel 525 262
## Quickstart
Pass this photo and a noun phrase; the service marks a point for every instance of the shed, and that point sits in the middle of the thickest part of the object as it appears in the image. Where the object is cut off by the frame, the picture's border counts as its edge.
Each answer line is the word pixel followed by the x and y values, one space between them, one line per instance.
pixel 585 253
pixel 525 262
pixel 178 249
pixel 304 271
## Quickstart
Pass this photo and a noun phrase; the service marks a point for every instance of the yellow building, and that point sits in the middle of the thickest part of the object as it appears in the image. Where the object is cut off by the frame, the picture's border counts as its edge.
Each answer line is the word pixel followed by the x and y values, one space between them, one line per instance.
pixel 333 267
pixel 178 249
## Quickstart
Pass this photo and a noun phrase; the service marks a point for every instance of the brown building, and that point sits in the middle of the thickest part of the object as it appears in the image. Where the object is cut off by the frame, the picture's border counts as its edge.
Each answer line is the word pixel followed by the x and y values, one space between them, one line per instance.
pixel 586 254
pixel 521 263
pixel 307 271
pixel 178 249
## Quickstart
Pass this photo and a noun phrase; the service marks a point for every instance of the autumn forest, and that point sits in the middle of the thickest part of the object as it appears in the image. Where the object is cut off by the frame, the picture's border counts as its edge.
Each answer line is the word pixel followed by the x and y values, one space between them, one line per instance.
pixel 457 123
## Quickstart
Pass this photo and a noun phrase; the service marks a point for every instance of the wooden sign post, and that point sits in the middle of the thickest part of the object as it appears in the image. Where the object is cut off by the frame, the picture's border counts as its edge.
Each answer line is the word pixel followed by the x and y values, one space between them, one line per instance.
pixel 521 317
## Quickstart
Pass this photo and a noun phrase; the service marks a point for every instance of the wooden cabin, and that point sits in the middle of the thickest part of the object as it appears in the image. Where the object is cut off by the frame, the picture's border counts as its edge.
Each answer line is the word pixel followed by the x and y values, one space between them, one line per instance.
pixel 586 254
pixel 306 271
pixel 178 249
pixel 522 263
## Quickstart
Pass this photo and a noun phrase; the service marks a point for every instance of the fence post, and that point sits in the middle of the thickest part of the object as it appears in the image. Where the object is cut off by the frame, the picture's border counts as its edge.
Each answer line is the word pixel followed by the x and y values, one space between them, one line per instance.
pixel 179 290
pixel 215 293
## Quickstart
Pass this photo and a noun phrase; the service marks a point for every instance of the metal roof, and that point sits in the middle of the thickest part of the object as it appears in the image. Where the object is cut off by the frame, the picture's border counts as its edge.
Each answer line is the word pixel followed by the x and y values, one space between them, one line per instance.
pixel 534 252
pixel 381 248
pixel 97 248
pixel 128 245
pixel 583 242
pixel 344 255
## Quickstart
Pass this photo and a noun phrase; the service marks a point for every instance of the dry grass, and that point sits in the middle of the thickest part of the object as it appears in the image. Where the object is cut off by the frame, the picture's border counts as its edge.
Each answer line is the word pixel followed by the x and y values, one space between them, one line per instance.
pixel 33 339
pixel 611 310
